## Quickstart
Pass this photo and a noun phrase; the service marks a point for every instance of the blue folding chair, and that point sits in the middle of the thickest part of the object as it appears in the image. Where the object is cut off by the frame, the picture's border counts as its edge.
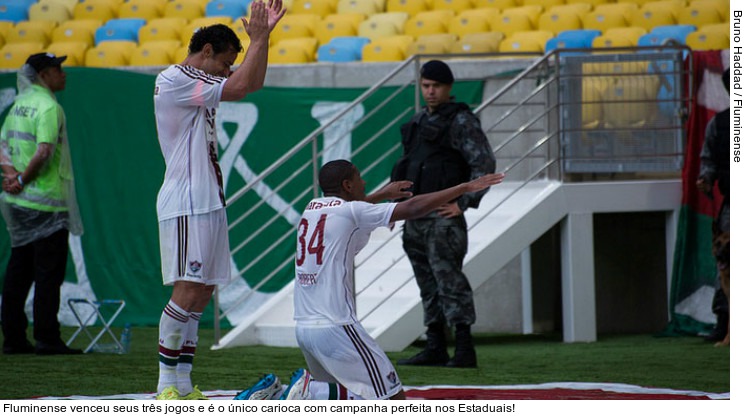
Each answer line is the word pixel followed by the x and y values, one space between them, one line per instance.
pixel 231 8
pixel 13 11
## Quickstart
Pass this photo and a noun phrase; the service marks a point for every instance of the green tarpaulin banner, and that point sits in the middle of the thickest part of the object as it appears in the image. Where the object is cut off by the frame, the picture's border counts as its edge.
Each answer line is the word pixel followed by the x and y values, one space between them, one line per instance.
pixel 119 168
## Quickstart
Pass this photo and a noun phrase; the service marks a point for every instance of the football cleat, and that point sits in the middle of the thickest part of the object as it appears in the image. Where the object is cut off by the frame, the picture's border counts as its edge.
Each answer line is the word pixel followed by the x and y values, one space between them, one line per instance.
pixel 266 389
pixel 299 386
pixel 195 395
pixel 168 394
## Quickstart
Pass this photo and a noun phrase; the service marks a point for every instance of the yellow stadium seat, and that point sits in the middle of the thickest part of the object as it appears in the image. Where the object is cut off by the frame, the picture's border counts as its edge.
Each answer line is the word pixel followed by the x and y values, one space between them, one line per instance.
pixel 365 7
pixel 69 4
pixel 97 10
pixel 325 31
pixel 387 49
pixel 720 29
pixel 354 18
pixel 603 20
pixel 75 52
pixel 295 26
pixel 674 6
pixel 722 6
pixel 309 44
pixel 627 10
pixel 412 7
pixel 558 19
pixel 474 23
pixel 239 29
pixel 498 4
pixel 288 52
pixel 546 4
pixel 619 37
pixel 73 34
pixel 186 9
pixel 13 56
pixel 474 43
pixel 455 5
pixel 110 54
pixel 320 8
pixel 432 44
pixel 162 29
pixel 56 12
pixel 701 40
pixel 29 31
pixel 532 11
pixel 592 3
pixel 429 23
pixel 5 26
pixel 699 16
pixel 511 23
pixel 154 53
pixel 592 91
pixel 142 9
pixel 377 29
pixel 650 18
pixel 487 12
pixel 527 41
pixel 188 31
pixel 181 53
pixel 630 101
pixel 398 19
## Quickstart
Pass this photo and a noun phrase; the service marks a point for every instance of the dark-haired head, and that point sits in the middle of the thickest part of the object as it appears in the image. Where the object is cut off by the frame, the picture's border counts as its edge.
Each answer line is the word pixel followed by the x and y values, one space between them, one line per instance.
pixel 332 175
pixel 221 37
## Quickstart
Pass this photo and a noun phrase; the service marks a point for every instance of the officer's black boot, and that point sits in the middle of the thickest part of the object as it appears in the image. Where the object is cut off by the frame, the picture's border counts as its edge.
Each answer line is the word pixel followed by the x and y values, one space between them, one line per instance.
pixel 464 350
pixel 721 310
pixel 435 352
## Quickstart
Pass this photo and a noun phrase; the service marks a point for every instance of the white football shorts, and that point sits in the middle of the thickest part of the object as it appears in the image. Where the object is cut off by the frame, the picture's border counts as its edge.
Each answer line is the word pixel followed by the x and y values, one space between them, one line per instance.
pixel 348 355
pixel 195 248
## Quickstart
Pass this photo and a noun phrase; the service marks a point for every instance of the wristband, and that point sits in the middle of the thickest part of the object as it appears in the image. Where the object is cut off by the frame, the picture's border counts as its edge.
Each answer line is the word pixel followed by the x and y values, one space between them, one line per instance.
pixel 20 180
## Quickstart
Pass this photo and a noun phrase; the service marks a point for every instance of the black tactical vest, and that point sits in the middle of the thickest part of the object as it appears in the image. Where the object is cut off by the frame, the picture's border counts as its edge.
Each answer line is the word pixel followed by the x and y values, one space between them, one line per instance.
pixel 720 150
pixel 429 160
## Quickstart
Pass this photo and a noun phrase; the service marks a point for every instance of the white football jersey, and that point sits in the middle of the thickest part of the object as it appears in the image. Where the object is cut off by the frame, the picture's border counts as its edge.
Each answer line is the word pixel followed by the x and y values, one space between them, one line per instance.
pixel 186 101
pixel 331 232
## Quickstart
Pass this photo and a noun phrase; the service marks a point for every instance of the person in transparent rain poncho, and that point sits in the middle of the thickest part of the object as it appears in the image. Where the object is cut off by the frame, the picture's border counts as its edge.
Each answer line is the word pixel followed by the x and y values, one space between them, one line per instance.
pixel 38 205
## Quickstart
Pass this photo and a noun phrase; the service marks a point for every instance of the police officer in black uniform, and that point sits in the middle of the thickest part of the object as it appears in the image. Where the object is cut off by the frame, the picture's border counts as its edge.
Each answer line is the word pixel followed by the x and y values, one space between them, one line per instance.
pixel 443 145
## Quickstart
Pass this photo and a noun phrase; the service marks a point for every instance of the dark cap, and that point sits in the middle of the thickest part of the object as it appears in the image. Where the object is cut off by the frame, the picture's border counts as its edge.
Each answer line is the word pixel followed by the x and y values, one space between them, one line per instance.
pixel 45 60
pixel 438 71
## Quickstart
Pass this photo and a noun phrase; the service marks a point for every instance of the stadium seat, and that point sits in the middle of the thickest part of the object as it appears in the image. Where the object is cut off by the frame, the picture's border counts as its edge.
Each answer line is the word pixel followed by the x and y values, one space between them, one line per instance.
pixel 412 7
pixel 186 9
pixel 649 18
pixel 365 7
pixel 75 52
pixel 546 4
pixel 374 30
pixel 487 12
pixel 701 40
pixel 602 21
pixel 661 33
pixel 239 29
pixel 76 31
pixel 110 54
pixel 720 29
pixel 498 4
pixel 13 12
pixel 141 9
pixel 181 53
pixel 290 51
pixel 476 43
pixel 30 31
pixel 722 6
pixel 625 9
pixel 592 3
pixel 94 10
pixel 469 23
pixel 162 29
pixel 527 41
pixel 56 12
pixel 131 23
pixel 558 19
pixel 342 49
pixel 699 16
pixel 578 38
pixel 69 4
pixel 456 6
pixel 320 8
pixel 13 56
pixel 510 23
pixel 432 44
pixel 325 31
pixel 619 37
pixel 154 53
pixel 593 90
pixel 231 8
pixel 387 49
pixel 428 23
pixel 295 26
pixel 354 18
pixel 398 19
pixel 532 11
pixel 5 26
pixel 120 30
pixel 673 6
pixel 630 101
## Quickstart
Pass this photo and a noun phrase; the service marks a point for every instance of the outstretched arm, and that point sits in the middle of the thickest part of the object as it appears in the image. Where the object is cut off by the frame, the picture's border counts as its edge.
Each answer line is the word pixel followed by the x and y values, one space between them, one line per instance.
pixel 391 191
pixel 422 204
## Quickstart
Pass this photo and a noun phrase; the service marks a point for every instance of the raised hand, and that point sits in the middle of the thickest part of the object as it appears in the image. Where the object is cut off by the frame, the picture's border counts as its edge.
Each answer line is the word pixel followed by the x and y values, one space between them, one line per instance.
pixel 484 182
pixel 275 11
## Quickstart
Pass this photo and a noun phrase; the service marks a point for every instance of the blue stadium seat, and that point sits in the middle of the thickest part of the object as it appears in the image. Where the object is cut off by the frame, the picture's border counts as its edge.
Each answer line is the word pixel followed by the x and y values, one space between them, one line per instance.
pixel 574 38
pixel 13 11
pixel 677 32
pixel 120 30
pixel 342 49
pixel 232 8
